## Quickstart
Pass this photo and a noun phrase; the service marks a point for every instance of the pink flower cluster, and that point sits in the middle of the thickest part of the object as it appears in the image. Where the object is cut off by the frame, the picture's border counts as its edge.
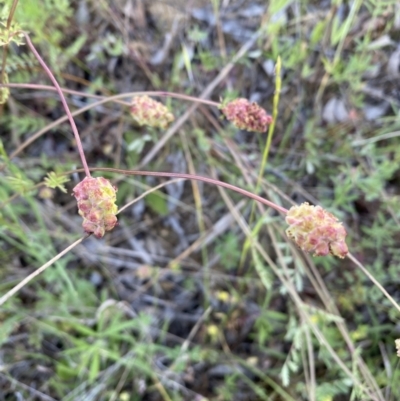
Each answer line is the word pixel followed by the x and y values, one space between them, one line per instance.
pixel 316 230
pixel 247 115
pixel 96 199
pixel 146 111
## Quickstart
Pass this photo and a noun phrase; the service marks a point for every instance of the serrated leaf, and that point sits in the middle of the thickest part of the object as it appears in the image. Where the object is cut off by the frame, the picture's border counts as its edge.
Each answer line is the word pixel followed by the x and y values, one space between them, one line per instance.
pixel 10 35
pixel 56 181
pixel 19 184
pixel 75 47
pixel 262 270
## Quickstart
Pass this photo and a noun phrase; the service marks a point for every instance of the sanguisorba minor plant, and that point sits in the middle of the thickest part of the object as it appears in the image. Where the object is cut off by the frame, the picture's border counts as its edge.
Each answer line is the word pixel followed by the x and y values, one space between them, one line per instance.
pixel 312 228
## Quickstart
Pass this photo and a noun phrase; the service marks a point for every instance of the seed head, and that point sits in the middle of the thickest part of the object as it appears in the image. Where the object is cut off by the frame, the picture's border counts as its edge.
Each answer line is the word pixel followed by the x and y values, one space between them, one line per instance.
pixel 246 115
pixel 316 230
pixel 146 111
pixel 96 204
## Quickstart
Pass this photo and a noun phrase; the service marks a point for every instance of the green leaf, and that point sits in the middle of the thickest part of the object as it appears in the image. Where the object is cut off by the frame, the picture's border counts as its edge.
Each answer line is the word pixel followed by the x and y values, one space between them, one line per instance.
pixel 4 92
pixel 19 184
pixel 285 375
pixel 138 143
pixel 7 327
pixel 65 372
pixel 9 35
pixel 3 153
pixel 156 201
pixel 229 250
pixel 318 32
pixel 75 47
pixel 94 366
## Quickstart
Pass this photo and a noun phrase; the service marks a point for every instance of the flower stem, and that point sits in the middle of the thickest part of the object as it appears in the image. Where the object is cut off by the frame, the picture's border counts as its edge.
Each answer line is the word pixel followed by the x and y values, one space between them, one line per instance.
pixel 40 270
pixel 64 102
pixel 180 96
pixel 374 280
pixel 208 180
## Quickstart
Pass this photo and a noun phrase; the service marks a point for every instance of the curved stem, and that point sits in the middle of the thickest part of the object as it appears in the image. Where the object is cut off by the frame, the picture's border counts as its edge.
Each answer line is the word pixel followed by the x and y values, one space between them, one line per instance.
pixel 374 280
pixel 102 100
pixel 48 127
pixel 40 270
pixel 65 90
pixel 180 96
pixel 208 180
pixel 64 102
pixel 149 191
pixel 11 15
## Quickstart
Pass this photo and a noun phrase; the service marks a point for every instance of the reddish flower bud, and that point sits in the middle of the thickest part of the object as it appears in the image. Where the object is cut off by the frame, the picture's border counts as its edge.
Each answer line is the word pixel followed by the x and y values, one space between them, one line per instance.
pixel 146 111
pixel 246 115
pixel 316 230
pixel 96 204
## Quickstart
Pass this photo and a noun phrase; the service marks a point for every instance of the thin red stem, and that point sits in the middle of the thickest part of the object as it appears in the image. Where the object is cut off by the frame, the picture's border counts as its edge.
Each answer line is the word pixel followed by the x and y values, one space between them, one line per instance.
pixel 64 102
pixel 148 93
pixel 208 180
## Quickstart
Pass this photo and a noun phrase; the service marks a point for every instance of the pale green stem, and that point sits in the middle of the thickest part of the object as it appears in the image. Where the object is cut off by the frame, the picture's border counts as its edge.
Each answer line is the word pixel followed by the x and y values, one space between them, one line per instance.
pixel 374 280
pixel 41 269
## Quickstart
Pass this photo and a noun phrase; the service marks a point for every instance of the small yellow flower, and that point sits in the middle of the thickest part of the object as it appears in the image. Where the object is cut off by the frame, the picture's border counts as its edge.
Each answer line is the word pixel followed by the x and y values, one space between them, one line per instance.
pixel 223 296
pixel 213 331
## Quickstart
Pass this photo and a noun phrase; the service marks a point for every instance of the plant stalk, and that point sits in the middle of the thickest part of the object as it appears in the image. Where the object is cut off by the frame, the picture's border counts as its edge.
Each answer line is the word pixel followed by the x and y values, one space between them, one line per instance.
pixel 207 180
pixel 63 101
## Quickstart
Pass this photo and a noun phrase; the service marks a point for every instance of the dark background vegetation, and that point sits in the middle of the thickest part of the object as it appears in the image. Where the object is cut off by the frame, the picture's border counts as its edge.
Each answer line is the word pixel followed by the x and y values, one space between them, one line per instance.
pixel 172 304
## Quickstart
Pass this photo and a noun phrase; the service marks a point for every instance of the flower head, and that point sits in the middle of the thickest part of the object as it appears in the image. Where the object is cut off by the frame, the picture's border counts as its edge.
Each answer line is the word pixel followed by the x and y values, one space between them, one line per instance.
pixel 247 115
pixel 96 204
pixel 397 343
pixel 316 230
pixel 146 111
